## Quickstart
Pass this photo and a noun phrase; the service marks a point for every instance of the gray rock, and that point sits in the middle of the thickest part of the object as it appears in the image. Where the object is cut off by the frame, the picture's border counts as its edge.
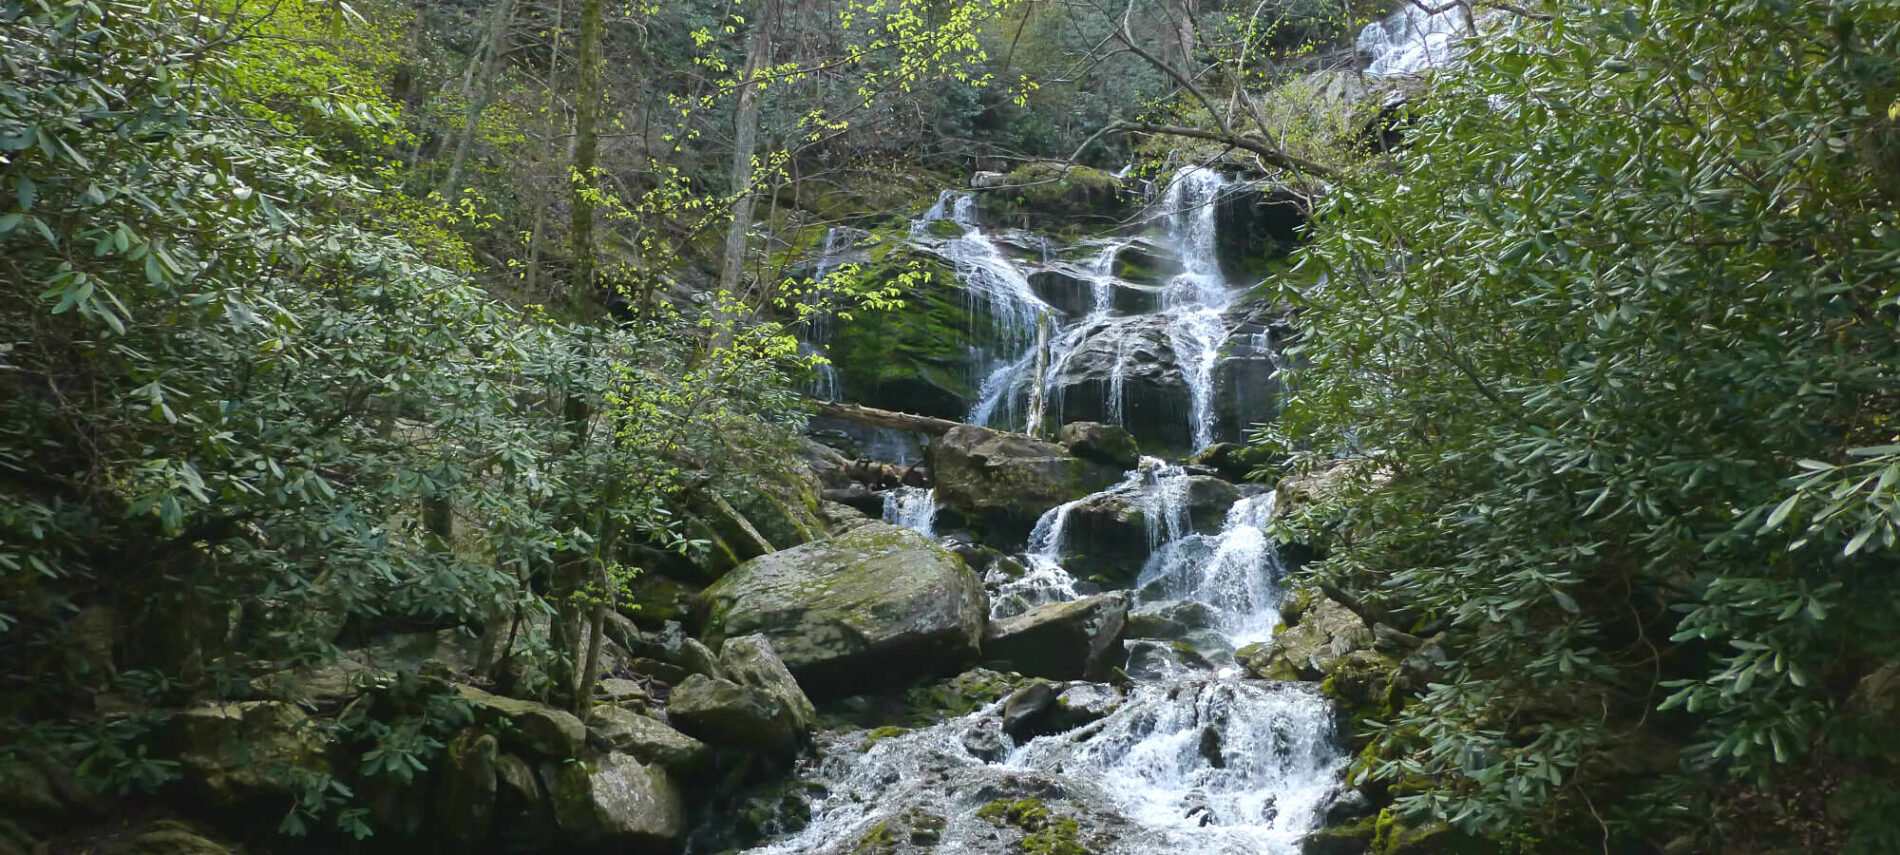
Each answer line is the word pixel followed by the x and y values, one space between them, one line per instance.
pixel 616 801
pixel 646 739
pixel 1100 442
pixel 986 741
pixel 876 606
pixel 323 688
pixel 749 660
pixel 1002 482
pixel 1026 713
pixel 1325 633
pixel 623 693
pixel 1077 640
pixel 1083 703
pixel 728 715
pixel 538 729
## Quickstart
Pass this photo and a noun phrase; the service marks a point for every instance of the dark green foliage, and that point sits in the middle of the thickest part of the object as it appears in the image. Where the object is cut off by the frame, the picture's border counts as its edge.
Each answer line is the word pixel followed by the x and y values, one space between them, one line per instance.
pixel 1618 341
pixel 241 423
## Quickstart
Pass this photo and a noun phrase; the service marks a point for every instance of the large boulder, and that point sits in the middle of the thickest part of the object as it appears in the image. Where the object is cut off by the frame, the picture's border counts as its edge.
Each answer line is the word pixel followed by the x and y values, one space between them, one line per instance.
pixel 749 660
pixel 1002 482
pixel 538 728
pixel 646 739
pixel 728 715
pixel 616 802
pixel 1104 443
pixel 877 605
pixel 1077 640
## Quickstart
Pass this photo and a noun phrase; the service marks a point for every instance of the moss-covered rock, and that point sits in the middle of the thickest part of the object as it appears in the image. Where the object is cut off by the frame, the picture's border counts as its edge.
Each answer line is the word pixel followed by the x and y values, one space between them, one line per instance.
pixel 1325 633
pixel 1056 197
pixel 916 359
pixel 535 728
pixel 167 837
pixel 234 755
pixel 879 605
pixel 1102 443
pixel 1001 483
pixel 728 715
pixel 647 740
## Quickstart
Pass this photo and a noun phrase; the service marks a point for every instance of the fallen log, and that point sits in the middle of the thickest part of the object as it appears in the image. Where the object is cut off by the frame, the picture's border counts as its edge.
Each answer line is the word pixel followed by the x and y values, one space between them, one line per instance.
pixel 884 418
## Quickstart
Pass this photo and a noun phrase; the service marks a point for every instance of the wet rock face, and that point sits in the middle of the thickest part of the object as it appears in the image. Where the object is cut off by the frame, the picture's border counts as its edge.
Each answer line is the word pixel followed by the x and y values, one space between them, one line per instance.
pixel 1257 221
pixel 1134 354
pixel 1112 534
pixel 878 605
pixel 1078 640
pixel 1003 482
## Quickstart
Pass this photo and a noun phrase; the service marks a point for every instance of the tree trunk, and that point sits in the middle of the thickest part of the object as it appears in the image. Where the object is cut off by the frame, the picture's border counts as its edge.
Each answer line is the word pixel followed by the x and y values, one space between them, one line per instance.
pixel 483 93
pixel 884 418
pixel 745 143
pixel 586 150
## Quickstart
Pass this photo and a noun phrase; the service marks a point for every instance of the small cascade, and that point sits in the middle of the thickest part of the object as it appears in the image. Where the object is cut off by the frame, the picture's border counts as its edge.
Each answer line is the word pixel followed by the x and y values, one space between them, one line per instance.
pixel 914 508
pixel 1235 573
pixel 1046 581
pixel 1195 301
pixel 1415 39
pixel 1225 765
pixel 994 286
pixel 1068 342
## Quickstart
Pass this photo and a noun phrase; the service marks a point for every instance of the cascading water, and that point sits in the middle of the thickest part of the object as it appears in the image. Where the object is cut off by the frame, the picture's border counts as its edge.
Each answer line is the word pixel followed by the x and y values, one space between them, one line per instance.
pixel 1196 299
pixel 994 286
pixel 1415 39
pixel 1192 760
pixel 914 508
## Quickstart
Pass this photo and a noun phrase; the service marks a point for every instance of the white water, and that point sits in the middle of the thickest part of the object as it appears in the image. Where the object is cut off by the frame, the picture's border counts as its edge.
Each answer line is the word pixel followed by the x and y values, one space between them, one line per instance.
pixel 914 508
pixel 994 286
pixel 1413 40
pixel 1195 300
pixel 1197 762
pixel 1033 343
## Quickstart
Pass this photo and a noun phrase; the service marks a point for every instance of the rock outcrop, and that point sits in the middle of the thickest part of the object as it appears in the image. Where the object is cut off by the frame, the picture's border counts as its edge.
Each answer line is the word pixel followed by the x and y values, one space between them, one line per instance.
pixel 1002 482
pixel 875 606
pixel 1078 640
pixel 617 802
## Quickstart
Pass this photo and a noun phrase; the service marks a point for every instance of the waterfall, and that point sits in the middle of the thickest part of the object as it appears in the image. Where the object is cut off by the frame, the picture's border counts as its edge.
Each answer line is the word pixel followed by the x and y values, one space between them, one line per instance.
pixel 1234 573
pixel 1046 581
pixel 1195 300
pixel 914 508
pixel 1195 761
pixel 1413 39
pixel 1226 765
pixel 991 284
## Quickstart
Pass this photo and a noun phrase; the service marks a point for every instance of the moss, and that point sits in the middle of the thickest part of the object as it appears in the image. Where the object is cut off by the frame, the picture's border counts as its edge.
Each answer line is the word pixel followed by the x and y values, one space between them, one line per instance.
pixel 946 229
pixel 881 734
pixel 879 839
pixel 1043 832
